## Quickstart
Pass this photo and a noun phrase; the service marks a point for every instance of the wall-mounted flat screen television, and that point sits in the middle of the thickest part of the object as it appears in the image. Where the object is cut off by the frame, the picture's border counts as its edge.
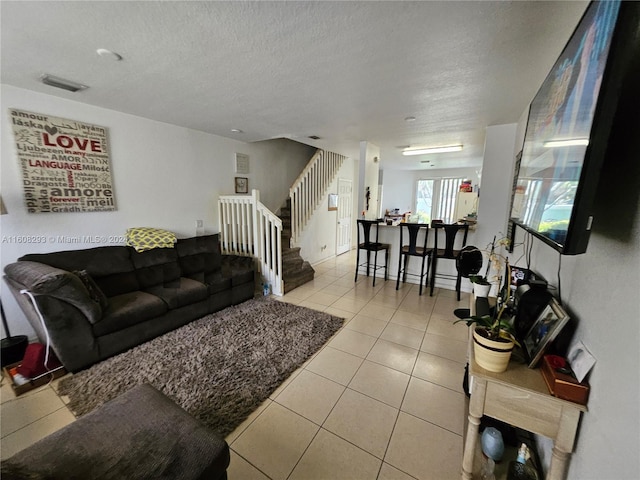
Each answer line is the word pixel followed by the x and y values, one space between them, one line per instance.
pixel 570 122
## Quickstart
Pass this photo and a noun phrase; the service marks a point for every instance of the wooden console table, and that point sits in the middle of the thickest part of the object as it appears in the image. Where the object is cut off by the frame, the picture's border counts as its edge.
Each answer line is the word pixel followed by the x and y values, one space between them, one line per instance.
pixel 519 396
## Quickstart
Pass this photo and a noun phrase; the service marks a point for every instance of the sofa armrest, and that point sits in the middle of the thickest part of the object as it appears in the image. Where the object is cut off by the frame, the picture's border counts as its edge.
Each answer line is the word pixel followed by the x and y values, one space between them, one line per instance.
pixel 42 279
pixel 69 330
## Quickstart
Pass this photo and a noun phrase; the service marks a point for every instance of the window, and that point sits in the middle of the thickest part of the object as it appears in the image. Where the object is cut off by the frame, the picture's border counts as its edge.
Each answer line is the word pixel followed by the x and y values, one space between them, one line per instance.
pixel 424 200
pixel 436 198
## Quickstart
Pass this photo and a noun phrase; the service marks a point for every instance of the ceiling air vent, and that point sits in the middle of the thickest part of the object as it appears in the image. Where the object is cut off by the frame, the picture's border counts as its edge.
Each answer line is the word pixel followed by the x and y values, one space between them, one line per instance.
pixel 58 82
pixel 314 137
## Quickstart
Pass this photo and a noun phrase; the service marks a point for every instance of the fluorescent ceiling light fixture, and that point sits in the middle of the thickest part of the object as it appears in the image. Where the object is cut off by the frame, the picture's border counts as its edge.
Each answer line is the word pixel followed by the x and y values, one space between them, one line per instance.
pixel 62 83
pixel 571 142
pixel 424 151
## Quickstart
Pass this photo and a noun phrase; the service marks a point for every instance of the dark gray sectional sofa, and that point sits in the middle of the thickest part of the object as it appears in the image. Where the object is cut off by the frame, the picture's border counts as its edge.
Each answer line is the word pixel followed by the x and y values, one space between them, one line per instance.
pixel 127 297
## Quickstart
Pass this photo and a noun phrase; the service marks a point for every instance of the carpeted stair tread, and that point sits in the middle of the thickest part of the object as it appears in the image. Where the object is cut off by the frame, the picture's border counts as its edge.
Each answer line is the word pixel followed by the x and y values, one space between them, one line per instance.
pixel 295 270
pixel 294 280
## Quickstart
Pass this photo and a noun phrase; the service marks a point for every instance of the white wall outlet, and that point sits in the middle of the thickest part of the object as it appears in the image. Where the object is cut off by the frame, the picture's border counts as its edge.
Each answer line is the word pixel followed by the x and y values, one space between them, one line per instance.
pixel 199 224
pixel 199 228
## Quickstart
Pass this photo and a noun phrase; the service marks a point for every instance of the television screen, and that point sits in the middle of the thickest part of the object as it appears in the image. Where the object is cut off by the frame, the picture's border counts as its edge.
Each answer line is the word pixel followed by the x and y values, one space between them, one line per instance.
pixel 570 120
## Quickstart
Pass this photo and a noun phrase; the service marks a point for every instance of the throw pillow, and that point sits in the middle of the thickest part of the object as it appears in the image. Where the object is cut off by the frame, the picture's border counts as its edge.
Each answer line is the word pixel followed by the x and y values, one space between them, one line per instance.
pixel 147 238
pixel 92 287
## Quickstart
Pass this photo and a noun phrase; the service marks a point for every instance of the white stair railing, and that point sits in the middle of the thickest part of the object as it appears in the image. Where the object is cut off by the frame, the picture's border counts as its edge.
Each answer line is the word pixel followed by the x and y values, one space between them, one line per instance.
pixel 310 187
pixel 250 229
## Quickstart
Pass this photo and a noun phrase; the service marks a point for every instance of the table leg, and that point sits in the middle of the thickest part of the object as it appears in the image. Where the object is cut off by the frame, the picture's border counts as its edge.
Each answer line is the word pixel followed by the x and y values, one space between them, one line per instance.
pixel 559 464
pixel 476 409
pixel 470 447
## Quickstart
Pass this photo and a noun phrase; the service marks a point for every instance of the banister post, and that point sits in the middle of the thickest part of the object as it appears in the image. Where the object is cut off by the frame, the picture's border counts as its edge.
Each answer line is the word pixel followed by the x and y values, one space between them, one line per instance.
pixel 257 245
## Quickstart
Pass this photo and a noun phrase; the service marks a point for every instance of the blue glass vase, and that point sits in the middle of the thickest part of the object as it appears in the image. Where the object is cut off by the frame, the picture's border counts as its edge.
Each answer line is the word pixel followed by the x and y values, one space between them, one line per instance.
pixel 492 443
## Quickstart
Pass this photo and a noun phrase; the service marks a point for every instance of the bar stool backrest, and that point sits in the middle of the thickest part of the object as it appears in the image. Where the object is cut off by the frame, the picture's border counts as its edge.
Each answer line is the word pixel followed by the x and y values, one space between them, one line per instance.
pixel 365 229
pixel 451 231
pixel 413 229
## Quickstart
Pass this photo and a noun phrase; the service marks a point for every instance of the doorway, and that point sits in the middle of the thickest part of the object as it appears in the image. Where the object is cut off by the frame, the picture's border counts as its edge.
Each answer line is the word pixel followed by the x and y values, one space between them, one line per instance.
pixel 343 237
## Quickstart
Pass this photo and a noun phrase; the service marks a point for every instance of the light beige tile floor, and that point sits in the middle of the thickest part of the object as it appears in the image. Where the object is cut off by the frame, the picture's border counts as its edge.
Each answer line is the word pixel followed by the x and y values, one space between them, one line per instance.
pixel 381 400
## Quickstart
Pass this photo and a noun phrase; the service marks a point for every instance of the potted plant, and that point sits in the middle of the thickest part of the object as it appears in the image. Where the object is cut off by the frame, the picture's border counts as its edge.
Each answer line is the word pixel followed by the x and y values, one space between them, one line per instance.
pixel 493 341
pixel 493 336
pixel 482 283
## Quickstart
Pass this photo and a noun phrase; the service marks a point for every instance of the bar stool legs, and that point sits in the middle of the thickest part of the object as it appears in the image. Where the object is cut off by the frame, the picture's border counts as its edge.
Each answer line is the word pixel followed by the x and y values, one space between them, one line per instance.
pixel 414 250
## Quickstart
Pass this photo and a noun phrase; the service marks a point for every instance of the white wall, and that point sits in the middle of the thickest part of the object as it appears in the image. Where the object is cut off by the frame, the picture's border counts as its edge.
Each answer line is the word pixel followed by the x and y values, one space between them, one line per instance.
pixel 164 176
pixel 497 176
pixel 318 240
pixel 399 186
pixel 369 169
pixel 600 291
pixel 275 166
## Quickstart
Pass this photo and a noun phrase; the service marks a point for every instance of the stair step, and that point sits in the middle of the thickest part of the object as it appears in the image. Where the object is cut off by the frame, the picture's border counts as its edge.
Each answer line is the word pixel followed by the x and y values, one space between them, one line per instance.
pixel 290 252
pixel 305 275
pixel 291 269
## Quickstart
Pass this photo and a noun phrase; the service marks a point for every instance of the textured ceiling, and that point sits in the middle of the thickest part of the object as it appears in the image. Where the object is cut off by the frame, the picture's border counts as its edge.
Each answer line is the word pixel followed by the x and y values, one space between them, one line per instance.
pixel 344 71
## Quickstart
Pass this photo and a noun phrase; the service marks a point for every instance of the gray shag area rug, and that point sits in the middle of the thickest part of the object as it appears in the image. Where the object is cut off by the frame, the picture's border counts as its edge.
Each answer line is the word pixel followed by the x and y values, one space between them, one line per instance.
pixel 219 368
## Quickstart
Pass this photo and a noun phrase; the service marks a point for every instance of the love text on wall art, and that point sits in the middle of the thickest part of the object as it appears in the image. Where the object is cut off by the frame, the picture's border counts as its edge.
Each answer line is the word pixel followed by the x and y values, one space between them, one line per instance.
pixel 64 164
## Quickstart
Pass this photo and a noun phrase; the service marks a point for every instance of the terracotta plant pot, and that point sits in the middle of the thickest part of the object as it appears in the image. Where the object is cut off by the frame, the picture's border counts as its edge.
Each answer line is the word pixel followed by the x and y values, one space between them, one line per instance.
pixel 492 355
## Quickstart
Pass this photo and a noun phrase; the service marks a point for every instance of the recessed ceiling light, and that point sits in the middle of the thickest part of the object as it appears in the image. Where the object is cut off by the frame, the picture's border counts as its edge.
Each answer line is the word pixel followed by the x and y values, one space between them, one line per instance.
pixel 314 137
pixel 58 82
pixel 103 52
pixel 427 150
pixel 236 130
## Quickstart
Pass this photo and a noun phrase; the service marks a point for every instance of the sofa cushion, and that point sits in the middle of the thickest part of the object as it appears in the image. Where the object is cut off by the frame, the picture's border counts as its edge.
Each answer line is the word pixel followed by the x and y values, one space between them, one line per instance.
pixel 141 434
pixel 129 309
pixel 110 267
pixel 198 256
pixel 92 287
pixel 217 282
pixel 156 267
pixel 239 269
pixel 43 279
pixel 185 292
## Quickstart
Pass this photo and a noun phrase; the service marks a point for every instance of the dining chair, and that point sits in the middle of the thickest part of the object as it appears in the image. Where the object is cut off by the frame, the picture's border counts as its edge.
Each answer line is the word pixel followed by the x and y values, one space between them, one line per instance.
pixel 413 250
pixel 450 233
pixel 366 243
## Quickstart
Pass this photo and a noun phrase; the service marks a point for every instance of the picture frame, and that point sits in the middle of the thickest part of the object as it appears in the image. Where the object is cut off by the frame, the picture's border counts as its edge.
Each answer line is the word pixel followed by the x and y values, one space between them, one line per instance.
pixel 333 202
pixel 519 276
pixel 242 164
pixel 543 331
pixel 242 184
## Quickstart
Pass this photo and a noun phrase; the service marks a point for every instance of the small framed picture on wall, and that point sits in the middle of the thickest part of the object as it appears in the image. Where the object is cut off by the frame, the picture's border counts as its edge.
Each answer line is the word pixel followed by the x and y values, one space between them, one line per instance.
pixel 242 185
pixel 242 163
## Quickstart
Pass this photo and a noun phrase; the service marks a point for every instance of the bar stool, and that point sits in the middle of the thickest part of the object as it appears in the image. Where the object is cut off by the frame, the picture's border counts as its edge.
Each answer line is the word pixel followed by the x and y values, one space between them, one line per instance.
pixel 413 250
pixel 450 233
pixel 365 243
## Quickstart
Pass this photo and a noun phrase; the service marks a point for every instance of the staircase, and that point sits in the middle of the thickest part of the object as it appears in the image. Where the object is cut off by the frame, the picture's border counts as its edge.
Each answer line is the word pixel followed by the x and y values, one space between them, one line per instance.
pixel 248 228
pixel 295 270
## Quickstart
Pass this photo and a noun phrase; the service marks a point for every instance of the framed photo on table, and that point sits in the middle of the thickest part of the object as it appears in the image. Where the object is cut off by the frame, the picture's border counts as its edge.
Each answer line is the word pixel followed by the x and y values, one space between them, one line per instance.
pixel 242 185
pixel 543 331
